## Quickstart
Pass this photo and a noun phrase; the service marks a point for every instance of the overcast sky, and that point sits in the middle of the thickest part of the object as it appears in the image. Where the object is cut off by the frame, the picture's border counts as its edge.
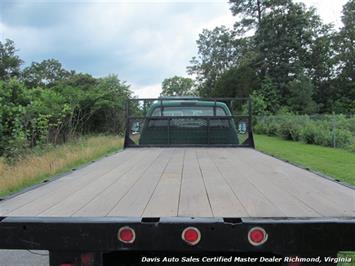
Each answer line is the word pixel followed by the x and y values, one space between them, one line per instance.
pixel 142 42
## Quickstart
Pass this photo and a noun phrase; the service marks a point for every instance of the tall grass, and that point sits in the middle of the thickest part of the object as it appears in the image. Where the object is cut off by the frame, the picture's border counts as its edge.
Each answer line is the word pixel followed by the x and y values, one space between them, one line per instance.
pixel 41 164
pixel 325 130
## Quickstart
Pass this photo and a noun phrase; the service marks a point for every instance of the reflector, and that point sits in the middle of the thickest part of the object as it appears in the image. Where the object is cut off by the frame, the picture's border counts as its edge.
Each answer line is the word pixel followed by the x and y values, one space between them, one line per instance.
pixel 126 234
pixel 191 235
pixel 257 236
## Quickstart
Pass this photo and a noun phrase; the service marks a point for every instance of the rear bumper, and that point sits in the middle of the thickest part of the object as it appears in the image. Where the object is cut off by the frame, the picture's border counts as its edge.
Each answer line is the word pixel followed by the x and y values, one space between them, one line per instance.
pixel 285 236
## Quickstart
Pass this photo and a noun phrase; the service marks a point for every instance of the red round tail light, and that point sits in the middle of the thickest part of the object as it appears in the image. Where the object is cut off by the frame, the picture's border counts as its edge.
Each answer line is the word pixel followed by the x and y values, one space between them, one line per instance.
pixel 191 235
pixel 257 236
pixel 126 234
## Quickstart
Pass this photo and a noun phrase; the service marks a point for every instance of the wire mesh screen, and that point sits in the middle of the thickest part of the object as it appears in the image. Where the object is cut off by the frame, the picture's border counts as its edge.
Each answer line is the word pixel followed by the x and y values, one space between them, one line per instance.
pixel 186 123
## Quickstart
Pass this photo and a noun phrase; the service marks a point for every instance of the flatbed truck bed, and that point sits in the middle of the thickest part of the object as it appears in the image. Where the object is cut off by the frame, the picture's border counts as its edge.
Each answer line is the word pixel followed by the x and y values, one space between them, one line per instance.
pixel 187 182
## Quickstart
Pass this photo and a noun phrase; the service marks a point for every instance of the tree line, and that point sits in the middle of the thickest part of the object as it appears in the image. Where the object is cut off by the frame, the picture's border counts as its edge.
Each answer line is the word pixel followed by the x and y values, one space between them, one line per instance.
pixel 278 51
pixel 282 54
pixel 46 104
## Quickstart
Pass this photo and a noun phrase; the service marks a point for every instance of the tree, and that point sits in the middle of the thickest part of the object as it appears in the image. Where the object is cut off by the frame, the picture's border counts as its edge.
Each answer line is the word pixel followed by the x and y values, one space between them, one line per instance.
pixel 83 81
pixel 9 62
pixel 289 39
pixel 217 52
pixel 268 91
pixel 321 68
pixel 300 97
pixel 251 12
pixel 177 86
pixel 52 105
pixel 45 73
pixel 14 100
pixel 345 82
pixel 259 104
pixel 50 113
pixel 238 81
pixel 108 108
pixel 286 39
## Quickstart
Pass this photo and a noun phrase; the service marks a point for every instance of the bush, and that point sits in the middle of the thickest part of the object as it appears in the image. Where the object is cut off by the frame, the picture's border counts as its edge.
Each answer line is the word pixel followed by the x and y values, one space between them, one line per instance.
pixel 289 129
pixel 343 138
pixel 323 137
pixel 308 134
pixel 40 116
pixel 317 130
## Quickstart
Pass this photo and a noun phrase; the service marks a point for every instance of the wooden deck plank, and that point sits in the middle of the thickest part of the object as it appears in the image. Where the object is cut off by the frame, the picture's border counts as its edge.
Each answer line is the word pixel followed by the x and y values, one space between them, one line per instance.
pixel 320 194
pixel 135 200
pixel 103 203
pixel 193 196
pixel 254 202
pixel 165 199
pixel 58 194
pixel 290 205
pixel 81 198
pixel 223 201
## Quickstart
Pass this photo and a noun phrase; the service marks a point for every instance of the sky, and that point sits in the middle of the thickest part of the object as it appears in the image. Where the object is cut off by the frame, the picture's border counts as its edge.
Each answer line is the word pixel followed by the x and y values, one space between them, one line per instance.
pixel 142 41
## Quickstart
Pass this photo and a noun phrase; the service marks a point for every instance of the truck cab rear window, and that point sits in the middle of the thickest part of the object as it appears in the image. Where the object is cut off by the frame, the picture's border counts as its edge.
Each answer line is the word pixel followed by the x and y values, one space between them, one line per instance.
pixel 188 111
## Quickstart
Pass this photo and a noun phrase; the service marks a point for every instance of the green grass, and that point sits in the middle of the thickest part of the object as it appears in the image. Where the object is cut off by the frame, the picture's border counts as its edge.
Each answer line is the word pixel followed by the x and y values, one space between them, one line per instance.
pixel 336 163
pixel 347 254
pixel 38 165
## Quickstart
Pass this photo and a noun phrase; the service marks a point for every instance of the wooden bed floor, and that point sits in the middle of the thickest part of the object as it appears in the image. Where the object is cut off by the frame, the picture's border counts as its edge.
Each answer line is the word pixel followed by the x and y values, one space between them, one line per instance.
pixel 197 182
